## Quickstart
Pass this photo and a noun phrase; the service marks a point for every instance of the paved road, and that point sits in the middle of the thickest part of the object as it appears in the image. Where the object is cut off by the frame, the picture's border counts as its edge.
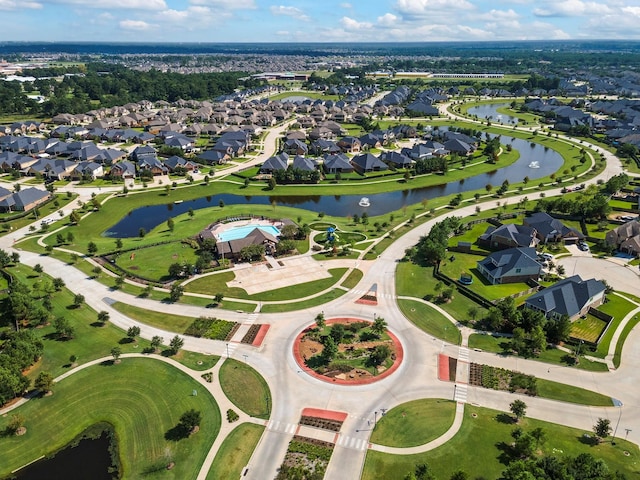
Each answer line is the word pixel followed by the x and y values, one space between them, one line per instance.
pixel 292 390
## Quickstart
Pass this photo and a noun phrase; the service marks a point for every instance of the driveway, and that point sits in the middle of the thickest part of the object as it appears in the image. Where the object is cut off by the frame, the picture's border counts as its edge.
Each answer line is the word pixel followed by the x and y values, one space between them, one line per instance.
pixel 619 276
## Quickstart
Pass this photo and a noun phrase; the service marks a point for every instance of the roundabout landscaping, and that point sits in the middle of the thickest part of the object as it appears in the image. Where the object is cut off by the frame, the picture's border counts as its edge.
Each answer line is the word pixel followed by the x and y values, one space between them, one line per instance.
pixel 360 356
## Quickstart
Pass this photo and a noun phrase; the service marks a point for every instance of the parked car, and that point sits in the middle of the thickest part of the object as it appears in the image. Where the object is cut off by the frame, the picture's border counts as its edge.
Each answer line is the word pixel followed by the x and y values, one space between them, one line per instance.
pixel 583 247
pixel 546 256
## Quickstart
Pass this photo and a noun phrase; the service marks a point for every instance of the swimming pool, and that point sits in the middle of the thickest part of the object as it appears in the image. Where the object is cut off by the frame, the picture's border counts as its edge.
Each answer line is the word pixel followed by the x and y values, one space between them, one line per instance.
pixel 241 232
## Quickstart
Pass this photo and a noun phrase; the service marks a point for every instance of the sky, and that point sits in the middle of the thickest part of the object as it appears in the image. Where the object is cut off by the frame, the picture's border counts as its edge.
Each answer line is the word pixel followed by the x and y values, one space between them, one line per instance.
pixel 317 20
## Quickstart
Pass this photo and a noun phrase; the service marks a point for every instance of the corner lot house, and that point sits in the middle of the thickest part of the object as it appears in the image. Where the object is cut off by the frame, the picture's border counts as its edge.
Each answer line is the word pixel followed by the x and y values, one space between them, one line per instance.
pixel 625 238
pixel 24 200
pixel 510 266
pixel 572 297
pixel 550 229
pixel 508 235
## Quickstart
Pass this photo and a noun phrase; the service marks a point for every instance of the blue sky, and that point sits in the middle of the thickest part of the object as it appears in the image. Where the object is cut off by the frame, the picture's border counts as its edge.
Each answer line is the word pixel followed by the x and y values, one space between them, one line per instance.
pixel 317 20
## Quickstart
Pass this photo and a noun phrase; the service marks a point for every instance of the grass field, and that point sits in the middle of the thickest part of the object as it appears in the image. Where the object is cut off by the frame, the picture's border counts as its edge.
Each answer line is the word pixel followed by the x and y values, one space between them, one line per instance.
pixel 430 321
pixel 476 449
pixel 246 388
pixel 588 328
pixel 235 452
pixel 568 393
pixel 304 304
pixel 153 262
pixel 165 321
pixel 142 398
pixel 414 423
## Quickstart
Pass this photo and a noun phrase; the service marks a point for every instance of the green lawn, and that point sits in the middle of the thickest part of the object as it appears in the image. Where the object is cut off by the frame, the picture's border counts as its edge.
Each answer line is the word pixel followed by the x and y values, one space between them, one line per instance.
pixel 165 321
pixel 414 423
pixel 475 449
pixel 153 262
pixel 618 308
pixel 416 281
pixel 304 304
pixel 235 452
pixel 211 284
pixel 430 321
pixel 553 356
pixel 353 279
pixel 246 388
pixel 142 398
pixel 466 263
pixel 588 328
pixel 568 393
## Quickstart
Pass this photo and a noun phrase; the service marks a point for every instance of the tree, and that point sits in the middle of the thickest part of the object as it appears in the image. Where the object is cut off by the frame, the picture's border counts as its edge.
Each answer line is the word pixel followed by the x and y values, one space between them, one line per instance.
pixel 473 313
pixel 44 382
pixel 379 326
pixel 156 342
pixel 176 344
pixel 115 353
pixel 78 300
pixel 59 238
pixel 379 355
pixel 92 248
pixel 96 271
pixel 337 332
pixel 170 224
pixel 217 298
pixel 191 213
pixel 518 408
pixel 15 424
pixel 119 281
pixel 602 429
pixel 58 284
pixel 330 349
pixel 320 321
pixel 176 292
pixel 539 435
pixel 133 332
pixel 74 217
pixel 38 268
pixel 118 244
pixel 459 475
pixel 63 328
pixel 103 317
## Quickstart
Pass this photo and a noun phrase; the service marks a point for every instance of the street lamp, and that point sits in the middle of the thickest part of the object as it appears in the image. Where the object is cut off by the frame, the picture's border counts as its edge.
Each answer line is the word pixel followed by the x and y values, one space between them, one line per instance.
pixel 375 419
pixel 626 433
pixel 227 350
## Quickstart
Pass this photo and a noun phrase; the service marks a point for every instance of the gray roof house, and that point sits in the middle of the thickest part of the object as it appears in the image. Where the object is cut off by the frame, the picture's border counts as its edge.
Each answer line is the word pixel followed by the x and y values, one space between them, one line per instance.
pixel 304 163
pixel 368 163
pixel 572 297
pixel 24 200
pixel 508 236
pixel 550 229
pixel 510 266
pixel 277 162
pixel 337 163
pixel 625 237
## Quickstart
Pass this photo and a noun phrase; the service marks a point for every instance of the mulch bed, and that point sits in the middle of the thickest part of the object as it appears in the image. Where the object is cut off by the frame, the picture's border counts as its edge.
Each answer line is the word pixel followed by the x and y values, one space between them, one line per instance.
pixel 323 423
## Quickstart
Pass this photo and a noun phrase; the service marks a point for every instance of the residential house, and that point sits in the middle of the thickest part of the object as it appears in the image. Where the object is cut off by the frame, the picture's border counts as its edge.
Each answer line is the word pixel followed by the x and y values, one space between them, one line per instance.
pixel 214 157
pixel 87 170
pixel 550 229
pixel 395 159
pixel 123 170
pixel 293 146
pixel 153 165
pixel 508 235
pixel 175 162
pixel 571 297
pixel 277 162
pixel 323 147
pixel 350 144
pixel 304 163
pixel 510 266
pixel 233 248
pixel 24 200
pixel 337 164
pixel 625 238
pixel 366 162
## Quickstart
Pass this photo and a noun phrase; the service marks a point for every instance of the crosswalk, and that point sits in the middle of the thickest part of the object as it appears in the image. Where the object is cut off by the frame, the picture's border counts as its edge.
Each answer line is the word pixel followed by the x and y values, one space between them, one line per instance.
pixel 230 347
pixel 282 427
pixel 460 394
pixel 463 354
pixel 352 442
pixel 378 294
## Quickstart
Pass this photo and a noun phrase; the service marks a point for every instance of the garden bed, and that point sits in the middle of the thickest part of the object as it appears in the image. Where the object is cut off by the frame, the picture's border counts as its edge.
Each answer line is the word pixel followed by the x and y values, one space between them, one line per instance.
pixel 323 423
pixel 213 328
pixel 502 379
pixel 305 458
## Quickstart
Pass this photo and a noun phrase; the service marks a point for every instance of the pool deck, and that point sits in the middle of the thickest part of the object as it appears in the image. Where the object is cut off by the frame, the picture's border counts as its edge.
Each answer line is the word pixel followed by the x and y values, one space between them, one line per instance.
pixel 225 227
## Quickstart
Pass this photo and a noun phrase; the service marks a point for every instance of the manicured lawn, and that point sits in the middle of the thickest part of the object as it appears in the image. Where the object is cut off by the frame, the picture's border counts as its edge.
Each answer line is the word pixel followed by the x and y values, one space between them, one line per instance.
pixel 618 308
pixel 415 281
pixel 246 388
pixel 142 398
pixel 617 357
pixel 235 452
pixel 414 423
pixel 166 321
pixel 353 279
pixel 153 262
pixel 218 283
pixel 588 328
pixel 466 263
pixel 568 393
pixel 430 321
pixel 553 356
pixel 476 449
pixel 470 235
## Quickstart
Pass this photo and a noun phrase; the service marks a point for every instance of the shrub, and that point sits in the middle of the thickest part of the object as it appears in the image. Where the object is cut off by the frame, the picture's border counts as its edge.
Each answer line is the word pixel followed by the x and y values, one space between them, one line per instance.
pixel 232 416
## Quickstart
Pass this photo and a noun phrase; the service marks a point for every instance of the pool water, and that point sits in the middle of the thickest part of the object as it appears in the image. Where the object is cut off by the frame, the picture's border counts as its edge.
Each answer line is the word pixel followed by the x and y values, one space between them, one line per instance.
pixel 241 232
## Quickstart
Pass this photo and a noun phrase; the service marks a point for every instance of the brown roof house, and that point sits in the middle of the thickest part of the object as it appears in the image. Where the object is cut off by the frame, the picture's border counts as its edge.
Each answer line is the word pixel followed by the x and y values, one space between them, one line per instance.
pixel 257 236
pixel 625 238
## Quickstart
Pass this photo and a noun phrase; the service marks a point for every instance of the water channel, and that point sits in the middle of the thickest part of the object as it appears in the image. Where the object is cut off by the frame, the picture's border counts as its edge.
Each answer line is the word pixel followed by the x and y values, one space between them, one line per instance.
pixel 548 162
pixel 490 111
pixel 89 459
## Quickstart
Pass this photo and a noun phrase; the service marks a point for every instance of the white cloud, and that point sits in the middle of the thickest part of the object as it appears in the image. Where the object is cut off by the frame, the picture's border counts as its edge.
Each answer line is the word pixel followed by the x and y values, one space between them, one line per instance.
pixel 388 20
pixel 228 4
pixel 346 5
pixel 498 15
pixel 570 8
pixel 351 25
pixel 289 12
pixel 117 4
pixel 422 8
pixel 635 11
pixel 136 25
pixel 16 5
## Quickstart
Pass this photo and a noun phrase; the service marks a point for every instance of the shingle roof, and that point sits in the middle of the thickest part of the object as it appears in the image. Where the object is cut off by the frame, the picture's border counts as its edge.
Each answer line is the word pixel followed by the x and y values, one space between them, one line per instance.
pixel 567 297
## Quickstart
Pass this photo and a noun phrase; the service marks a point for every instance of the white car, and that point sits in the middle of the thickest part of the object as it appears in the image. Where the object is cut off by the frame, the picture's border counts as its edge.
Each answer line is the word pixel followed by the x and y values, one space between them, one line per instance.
pixel 547 256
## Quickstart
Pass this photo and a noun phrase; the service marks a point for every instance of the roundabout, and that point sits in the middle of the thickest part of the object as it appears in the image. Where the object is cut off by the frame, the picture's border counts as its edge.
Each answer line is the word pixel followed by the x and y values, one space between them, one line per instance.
pixel 355 362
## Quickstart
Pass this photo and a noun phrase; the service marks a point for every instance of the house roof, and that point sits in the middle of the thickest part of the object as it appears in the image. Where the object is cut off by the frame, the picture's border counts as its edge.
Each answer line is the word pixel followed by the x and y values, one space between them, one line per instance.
pixel 567 297
pixel 547 226
pixel 338 162
pixel 304 163
pixel 498 264
pixel 367 161
pixel 517 235
pixel 277 162
pixel 257 236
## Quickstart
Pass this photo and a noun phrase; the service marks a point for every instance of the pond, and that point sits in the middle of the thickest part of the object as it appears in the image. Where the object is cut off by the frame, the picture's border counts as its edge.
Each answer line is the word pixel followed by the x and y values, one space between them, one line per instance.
pixel 490 111
pixel 548 161
pixel 90 458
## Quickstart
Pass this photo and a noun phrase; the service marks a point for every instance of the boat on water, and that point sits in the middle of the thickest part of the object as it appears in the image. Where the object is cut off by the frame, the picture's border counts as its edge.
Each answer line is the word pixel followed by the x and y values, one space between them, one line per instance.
pixel 534 164
pixel 364 202
pixel 178 201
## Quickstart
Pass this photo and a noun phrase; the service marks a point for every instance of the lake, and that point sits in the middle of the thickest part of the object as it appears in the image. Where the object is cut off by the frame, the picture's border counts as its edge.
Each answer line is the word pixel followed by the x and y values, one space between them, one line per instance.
pixel 490 111
pixel 549 161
